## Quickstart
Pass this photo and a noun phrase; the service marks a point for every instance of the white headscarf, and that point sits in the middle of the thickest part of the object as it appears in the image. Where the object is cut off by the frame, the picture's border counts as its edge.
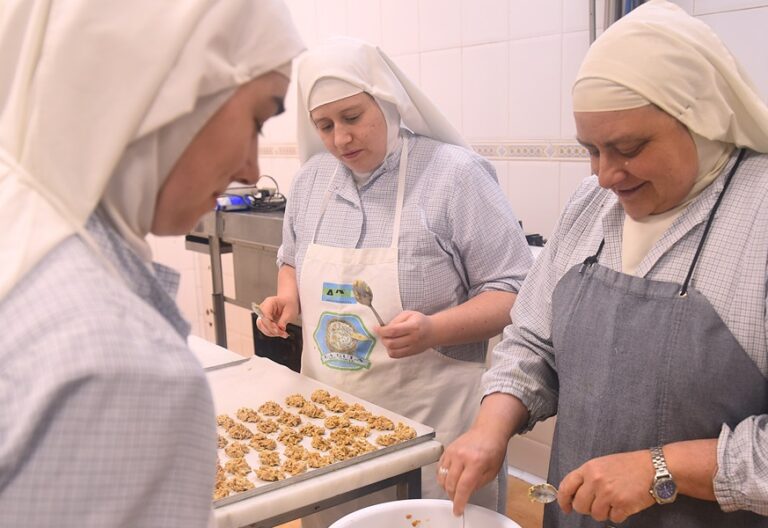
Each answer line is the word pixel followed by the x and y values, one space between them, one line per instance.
pixel 659 53
pixel 329 89
pixel 98 99
pixel 367 69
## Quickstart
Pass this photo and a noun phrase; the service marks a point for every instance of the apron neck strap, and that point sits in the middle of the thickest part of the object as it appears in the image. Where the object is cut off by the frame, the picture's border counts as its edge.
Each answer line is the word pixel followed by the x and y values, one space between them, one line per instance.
pixel 589 261
pixel 400 193
pixel 400 196
pixel 684 288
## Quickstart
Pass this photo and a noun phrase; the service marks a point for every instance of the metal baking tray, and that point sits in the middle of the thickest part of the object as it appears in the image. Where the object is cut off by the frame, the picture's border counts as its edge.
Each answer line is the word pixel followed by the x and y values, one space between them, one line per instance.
pixel 258 380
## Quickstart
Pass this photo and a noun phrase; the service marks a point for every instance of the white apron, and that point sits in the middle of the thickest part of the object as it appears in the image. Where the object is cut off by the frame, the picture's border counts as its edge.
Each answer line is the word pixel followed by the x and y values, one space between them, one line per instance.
pixel 341 350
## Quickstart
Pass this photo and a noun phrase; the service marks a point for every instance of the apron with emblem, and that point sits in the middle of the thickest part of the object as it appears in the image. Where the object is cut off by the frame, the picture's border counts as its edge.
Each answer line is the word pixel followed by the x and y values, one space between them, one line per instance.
pixel 341 350
pixel 643 363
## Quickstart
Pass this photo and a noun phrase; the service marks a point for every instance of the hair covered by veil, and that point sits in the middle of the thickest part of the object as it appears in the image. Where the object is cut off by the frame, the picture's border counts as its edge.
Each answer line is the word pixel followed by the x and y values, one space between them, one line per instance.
pixel 98 100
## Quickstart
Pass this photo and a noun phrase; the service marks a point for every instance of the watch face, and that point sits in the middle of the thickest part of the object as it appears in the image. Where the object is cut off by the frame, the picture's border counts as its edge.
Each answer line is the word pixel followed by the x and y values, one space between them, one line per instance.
pixel 665 489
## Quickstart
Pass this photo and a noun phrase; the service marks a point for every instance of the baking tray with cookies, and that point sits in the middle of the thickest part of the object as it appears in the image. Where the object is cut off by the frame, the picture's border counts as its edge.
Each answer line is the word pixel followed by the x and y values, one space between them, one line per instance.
pixel 277 428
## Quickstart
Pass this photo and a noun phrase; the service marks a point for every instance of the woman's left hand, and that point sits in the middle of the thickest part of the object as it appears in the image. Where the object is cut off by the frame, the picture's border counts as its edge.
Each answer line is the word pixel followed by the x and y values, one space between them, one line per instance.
pixel 408 334
pixel 611 487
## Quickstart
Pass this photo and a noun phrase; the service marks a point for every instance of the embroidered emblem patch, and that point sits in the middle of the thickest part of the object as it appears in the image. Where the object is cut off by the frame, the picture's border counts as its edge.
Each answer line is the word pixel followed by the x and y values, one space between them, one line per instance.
pixel 338 293
pixel 344 341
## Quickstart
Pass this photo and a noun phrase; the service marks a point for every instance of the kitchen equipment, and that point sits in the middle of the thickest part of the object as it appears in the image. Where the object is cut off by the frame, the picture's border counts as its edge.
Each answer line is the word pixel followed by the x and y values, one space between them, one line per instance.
pixel 424 513
pixel 364 296
pixel 543 493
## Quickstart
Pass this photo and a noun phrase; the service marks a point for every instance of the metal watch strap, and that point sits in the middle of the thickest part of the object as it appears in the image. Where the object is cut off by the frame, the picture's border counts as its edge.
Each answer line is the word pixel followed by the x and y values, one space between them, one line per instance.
pixel 659 462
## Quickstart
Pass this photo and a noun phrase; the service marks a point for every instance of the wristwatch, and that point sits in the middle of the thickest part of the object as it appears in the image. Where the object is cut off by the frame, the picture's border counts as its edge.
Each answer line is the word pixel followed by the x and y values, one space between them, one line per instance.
pixel 663 489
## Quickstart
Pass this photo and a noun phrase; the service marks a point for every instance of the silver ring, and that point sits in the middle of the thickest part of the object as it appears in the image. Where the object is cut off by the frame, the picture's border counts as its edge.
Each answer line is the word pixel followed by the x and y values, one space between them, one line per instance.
pixel 442 471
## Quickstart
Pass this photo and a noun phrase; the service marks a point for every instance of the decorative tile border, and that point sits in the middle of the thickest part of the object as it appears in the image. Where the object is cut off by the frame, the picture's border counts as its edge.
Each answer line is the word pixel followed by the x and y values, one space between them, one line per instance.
pixel 288 150
pixel 503 151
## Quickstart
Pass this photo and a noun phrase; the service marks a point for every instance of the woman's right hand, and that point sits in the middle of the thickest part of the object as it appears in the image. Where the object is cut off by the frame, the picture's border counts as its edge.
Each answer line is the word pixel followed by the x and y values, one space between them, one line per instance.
pixel 470 462
pixel 278 313
pixel 474 458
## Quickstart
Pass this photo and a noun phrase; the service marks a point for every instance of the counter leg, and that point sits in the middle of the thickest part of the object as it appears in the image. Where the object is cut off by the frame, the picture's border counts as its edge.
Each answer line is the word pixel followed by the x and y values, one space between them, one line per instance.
pixel 217 278
pixel 410 487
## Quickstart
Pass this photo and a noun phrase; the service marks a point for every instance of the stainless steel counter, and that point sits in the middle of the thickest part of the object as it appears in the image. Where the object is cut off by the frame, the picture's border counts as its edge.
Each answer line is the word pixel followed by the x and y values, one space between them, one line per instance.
pixel 253 238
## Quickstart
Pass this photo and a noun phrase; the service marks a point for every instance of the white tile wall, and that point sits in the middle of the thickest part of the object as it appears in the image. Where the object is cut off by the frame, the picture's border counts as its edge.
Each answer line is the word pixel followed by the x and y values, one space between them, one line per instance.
pixel 571 176
pixel 399 27
pixel 331 18
pixel 484 21
pixel 410 64
pixel 576 15
pixel 703 7
pixel 304 14
pixel 532 78
pixel 685 4
pixel 533 191
pixel 441 31
pixel 364 20
pixel 744 34
pixel 282 128
pixel 534 19
pixel 485 96
pixel 441 80
pixel 575 47
pixel 501 70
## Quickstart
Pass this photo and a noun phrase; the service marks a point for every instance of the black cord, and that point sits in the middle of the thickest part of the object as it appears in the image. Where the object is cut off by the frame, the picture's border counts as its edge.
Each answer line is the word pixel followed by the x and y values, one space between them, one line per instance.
pixel 684 289
pixel 256 199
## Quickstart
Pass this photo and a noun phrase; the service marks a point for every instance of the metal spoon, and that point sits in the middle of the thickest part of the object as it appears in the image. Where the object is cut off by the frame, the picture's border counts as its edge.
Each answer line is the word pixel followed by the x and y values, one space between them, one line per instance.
pixel 364 295
pixel 543 493
pixel 259 312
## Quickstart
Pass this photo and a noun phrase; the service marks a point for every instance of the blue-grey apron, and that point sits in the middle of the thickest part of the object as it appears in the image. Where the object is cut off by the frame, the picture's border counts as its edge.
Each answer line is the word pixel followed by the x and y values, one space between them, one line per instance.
pixel 644 363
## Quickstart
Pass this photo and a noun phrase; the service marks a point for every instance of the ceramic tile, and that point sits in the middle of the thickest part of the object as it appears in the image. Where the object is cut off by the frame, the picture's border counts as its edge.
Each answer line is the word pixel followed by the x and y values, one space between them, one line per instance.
pixel 502 176
pixel 400 27
pixel 284 170
pixel 441 81
pixel 331 18
pixel 282 128
pixel 502 173
pixel 439 24
pixel 703 7
pixel 576 15
pixel 687 5
pixel 534 19
pixel 571 176
pixel 532 189
pixel 535 87
pixel 740 30
pixel 484 21
pixel 575 47
pixel 364 20
pixel 304 15
pixel 485 93
pixel 410 64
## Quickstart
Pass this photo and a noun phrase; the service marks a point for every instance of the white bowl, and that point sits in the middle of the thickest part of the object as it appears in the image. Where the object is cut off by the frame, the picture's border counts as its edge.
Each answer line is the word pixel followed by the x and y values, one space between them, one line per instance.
pixel 423 513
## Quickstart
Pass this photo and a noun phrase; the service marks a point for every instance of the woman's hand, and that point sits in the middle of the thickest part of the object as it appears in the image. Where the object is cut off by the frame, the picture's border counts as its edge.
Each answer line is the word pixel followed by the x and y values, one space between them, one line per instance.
pixel 474 459
pixel 611 487
pixel 278 312
pixel 408 334
pixel 471 461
